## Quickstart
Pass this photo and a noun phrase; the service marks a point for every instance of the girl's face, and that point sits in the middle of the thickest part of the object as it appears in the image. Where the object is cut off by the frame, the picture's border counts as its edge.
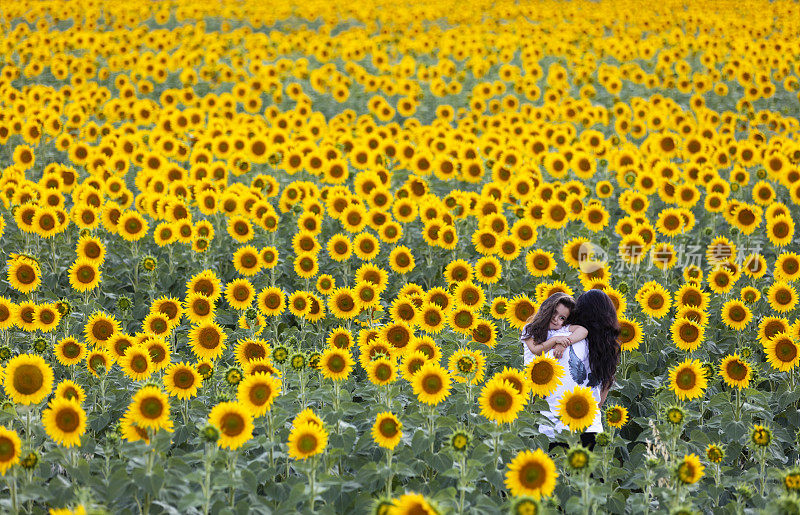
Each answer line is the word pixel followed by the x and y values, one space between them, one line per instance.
pixel 560 316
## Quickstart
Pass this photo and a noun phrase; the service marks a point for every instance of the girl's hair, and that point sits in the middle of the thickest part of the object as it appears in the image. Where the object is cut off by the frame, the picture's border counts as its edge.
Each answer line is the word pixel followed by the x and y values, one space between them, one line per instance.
pixel 595 311
pixel 536 326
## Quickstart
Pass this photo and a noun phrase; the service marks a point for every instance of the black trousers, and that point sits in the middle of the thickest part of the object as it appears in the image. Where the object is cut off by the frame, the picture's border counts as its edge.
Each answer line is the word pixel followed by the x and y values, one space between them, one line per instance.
pixel 587 440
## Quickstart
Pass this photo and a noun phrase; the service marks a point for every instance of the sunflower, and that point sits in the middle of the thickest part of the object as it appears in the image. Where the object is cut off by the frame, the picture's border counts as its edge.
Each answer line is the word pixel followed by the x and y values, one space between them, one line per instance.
pixel 654 300
pixel 540 263
pixel 269 257
pixel 24 273
pixel 271 301
pixel 205 283
pixel 10 449
pixel 782 352
pixel 735 371
pixel 132 226
pixel 99 361
pixel 430 318
pixel 427 346
pixel 688 379
pixel 686 334
pixel 240 294
pixel 198 308
pixel 431 383
pixel 69 351
pixel 340 338
pixel 336 363
pixel 374 274
pixel 256 392
pixel 207 340
pixel 249 349
pixel 500 401
pixel 7 309
pixel 736 315
pixel 499 307
pixel 299 304
pixel 691 295
pixel 24 316
pixel 531 473
pixel 689 470
pixel 64 421
pixel 234 422
pixel 307 439
pixel 149 409
pixel 470 296
pixel 157 324
pixel 577 408
pixel 28 379
pixel 387 430
pixel 458 271
pixel 401 260
pixel 91 249
pixel 462 320
pixel 382 371
pixel 782 297
pixel 306 265
pixel 484 332
pixel 715 453
pixel 544 374
pixel 84 275
pixel 344 304
pixel 70 390
pixel 182 380
pixel 136 363
pixel 367 247
pixel 488 270
pixel 339 247
pixel 787 267
pixel 404 309
pixel 246 260
pixel 367 294
pixel 780 230
pixel 760 436
pixel 616 416
pixel 519 310
pixel 754 265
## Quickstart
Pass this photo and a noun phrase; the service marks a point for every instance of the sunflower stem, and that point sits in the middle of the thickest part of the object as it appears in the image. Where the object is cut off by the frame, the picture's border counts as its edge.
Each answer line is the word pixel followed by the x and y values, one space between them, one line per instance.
pixel 13 487
pixel 312 476
pixel 232 458
pixel 389 453
pixel 270 432
pixel 336 389
pixel 208 458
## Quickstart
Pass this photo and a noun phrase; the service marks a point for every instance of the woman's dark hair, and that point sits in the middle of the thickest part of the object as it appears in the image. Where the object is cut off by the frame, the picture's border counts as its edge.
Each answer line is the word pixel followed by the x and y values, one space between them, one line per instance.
pixel 537 325
pixel 595 311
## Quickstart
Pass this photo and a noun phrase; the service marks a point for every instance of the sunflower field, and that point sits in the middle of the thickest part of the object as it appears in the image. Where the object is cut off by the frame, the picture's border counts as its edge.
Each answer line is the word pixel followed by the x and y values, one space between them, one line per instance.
pixel 276 256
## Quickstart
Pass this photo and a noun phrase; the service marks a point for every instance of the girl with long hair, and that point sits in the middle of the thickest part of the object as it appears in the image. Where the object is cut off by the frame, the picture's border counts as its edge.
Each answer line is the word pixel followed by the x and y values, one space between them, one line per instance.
pixel 547 328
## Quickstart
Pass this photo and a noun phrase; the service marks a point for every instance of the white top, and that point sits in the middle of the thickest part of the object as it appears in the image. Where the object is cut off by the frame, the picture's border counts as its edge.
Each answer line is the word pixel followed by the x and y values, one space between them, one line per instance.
pixel 577 372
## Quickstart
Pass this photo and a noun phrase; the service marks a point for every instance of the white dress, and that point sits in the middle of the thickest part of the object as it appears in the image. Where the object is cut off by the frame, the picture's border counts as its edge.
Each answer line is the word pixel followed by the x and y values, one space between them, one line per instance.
pixel 577 372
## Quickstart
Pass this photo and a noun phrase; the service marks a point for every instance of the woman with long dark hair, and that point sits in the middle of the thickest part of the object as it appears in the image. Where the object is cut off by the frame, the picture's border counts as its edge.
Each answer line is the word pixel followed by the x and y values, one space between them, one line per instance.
pixel 591 362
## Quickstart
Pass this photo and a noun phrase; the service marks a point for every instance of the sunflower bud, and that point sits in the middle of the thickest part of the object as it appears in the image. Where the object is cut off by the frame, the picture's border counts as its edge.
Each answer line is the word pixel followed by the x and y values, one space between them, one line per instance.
pixel 744 491
pixel 30 460
pixel 148 263
pixel 5 353
pixel 603 439
pixel 39 345
pixel 124 303
pixel 460 440
pixel 209 433
pixel 233 376
pixel 298 361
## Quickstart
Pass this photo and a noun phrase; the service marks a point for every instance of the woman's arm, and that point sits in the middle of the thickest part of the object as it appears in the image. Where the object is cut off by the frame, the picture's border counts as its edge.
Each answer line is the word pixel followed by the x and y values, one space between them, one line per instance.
pixel 603 394
pixel 539 348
